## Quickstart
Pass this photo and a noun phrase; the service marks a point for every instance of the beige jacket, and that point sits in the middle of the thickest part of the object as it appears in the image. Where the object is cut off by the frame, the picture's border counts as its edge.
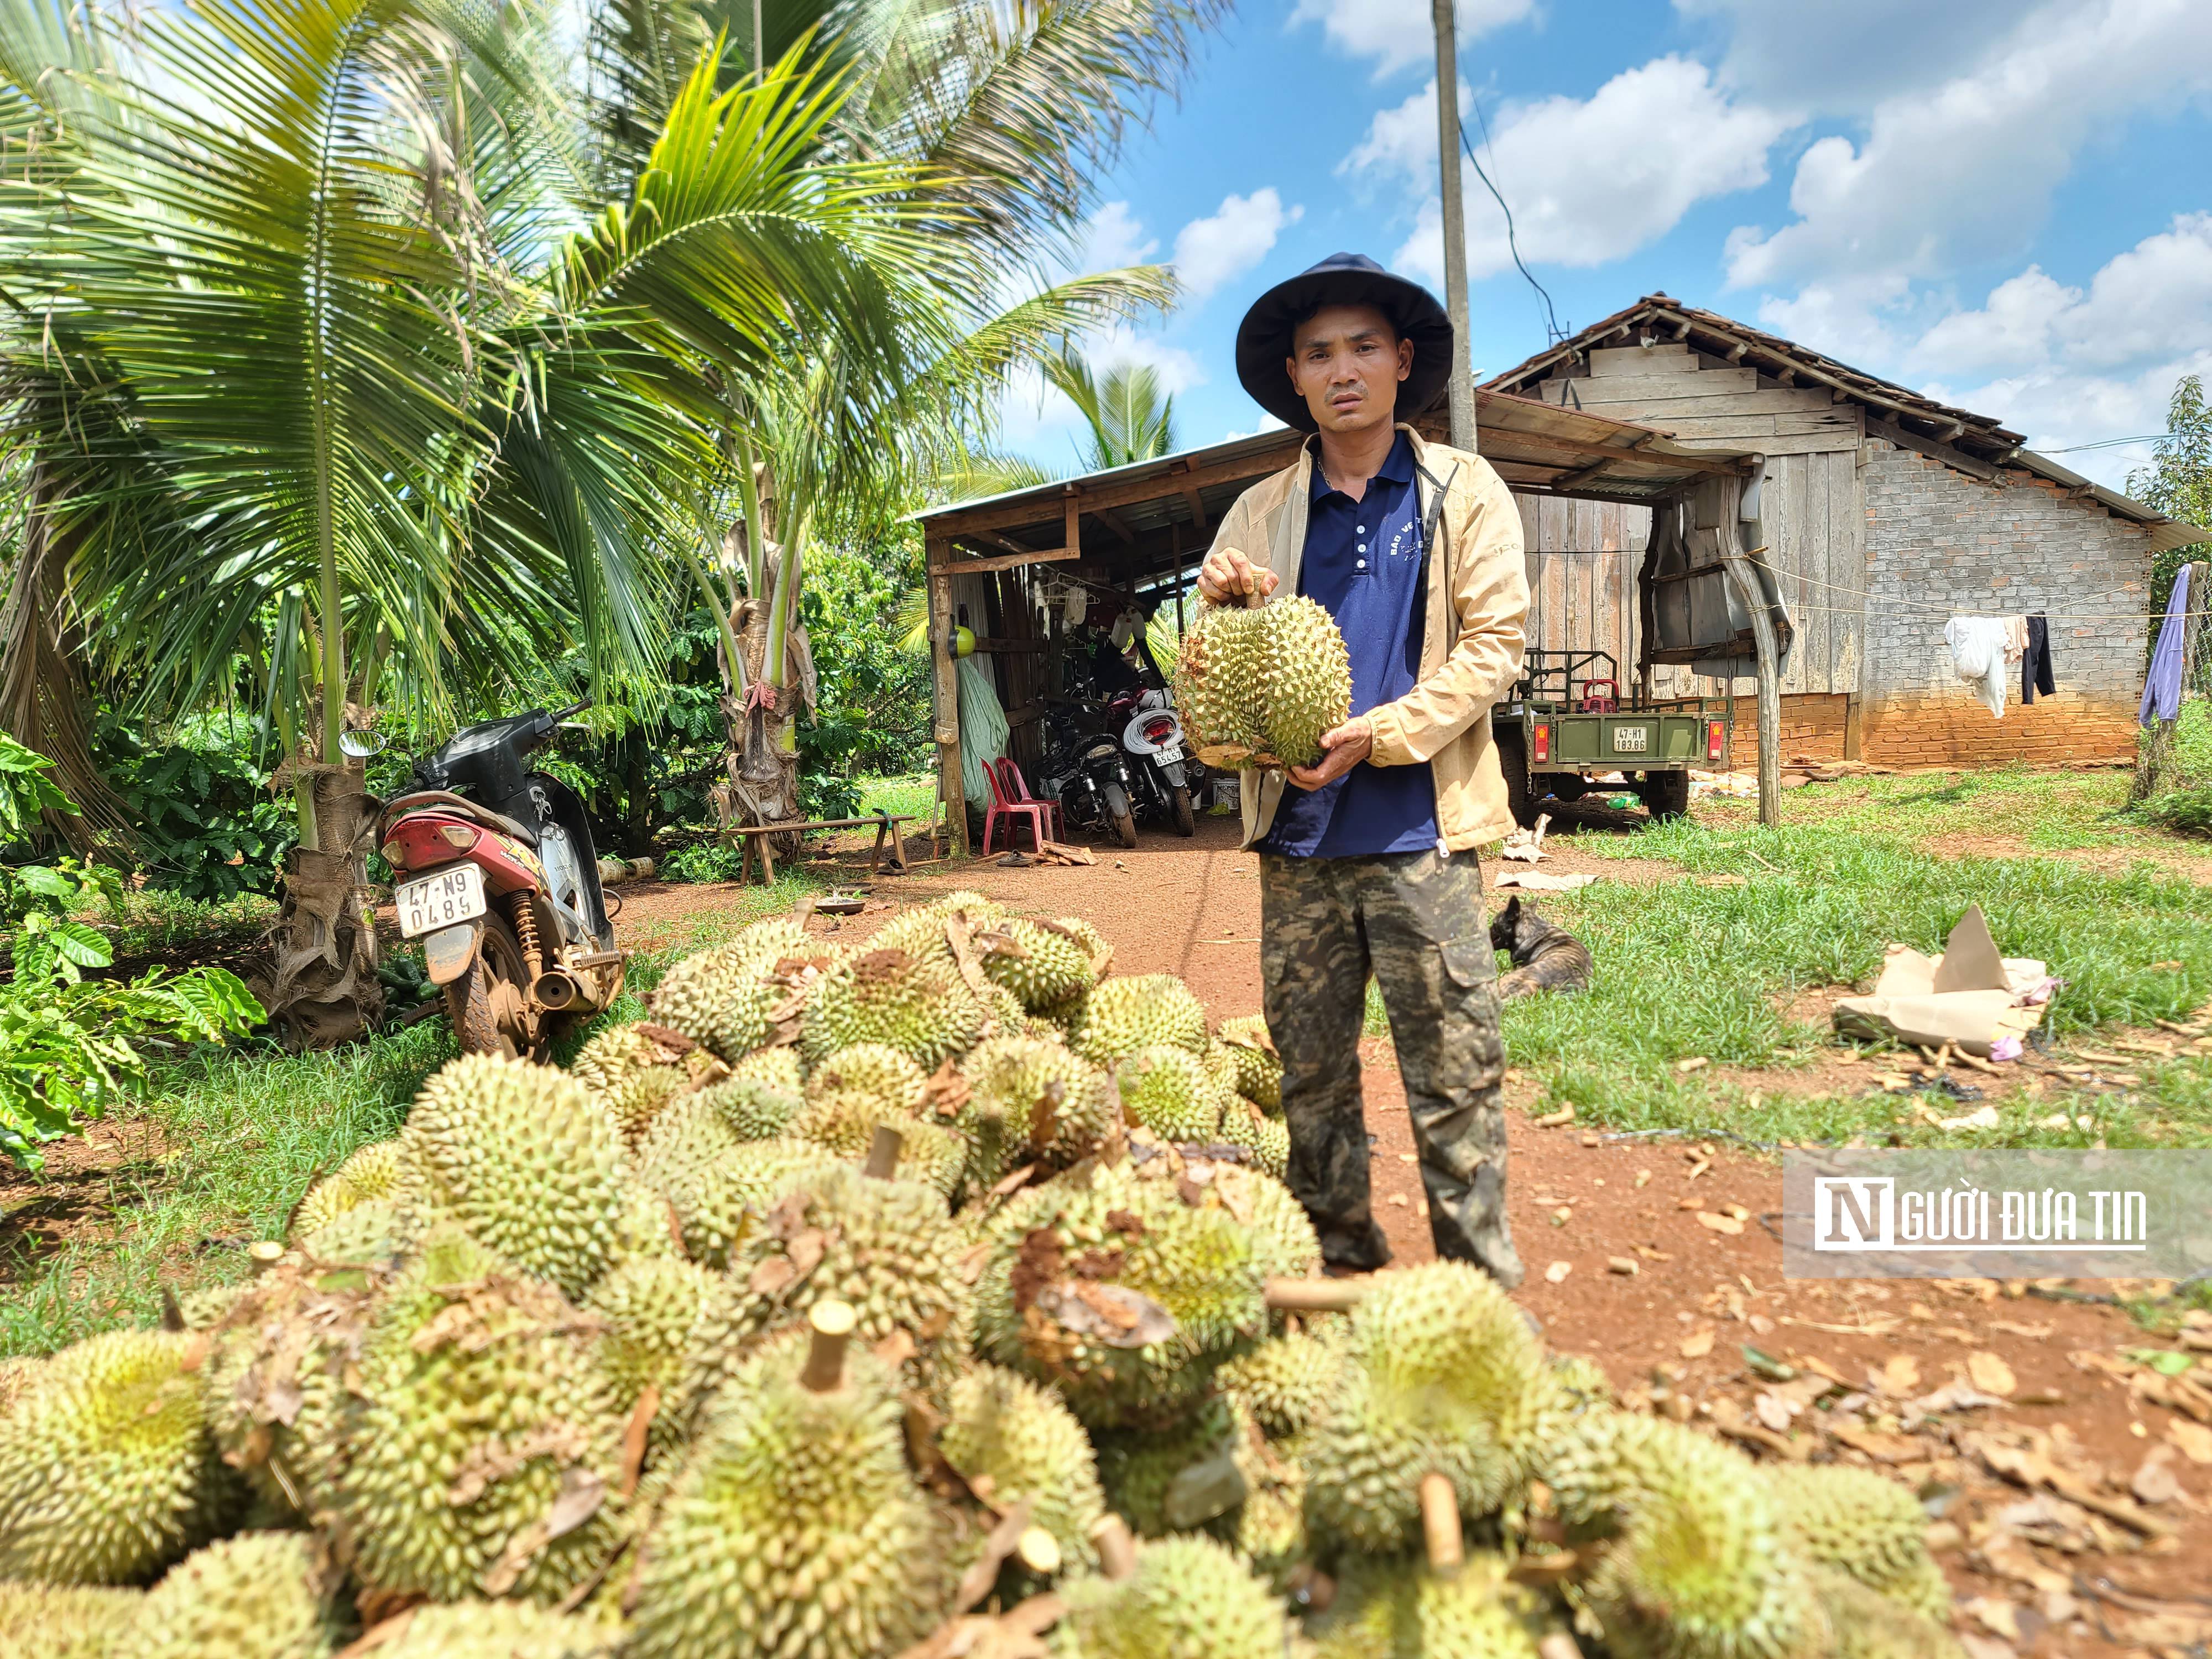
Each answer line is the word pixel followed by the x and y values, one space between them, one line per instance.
pixel 1471 646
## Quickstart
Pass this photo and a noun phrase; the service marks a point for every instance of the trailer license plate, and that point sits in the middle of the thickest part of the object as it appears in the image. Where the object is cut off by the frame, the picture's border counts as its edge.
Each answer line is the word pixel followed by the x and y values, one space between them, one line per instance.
pixel 440 899
pixel 1631 739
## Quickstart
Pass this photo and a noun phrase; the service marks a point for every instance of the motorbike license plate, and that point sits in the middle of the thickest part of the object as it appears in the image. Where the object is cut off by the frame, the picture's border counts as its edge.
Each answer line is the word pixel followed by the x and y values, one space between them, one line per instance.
pixel 440 899
pixel 1631 739
pixel 1165 758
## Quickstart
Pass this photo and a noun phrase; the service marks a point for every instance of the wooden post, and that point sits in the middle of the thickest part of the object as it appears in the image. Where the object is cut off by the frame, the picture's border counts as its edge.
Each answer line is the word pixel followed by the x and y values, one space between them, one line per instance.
pixel 1462 383
pixel 1851 742
pixel 1770 689
pixel 946 699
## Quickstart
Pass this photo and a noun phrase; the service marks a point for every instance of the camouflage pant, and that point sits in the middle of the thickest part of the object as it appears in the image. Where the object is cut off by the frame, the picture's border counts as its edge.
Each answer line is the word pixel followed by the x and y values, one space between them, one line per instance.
pixel 1416 921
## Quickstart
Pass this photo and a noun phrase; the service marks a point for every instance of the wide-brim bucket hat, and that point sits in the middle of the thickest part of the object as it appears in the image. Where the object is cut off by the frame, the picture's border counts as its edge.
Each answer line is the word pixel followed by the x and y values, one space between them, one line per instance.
pixel 1263 339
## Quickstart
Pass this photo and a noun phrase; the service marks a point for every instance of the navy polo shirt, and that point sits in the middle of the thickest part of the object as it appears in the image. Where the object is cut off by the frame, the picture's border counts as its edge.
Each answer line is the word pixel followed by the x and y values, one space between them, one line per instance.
pixel 1363 565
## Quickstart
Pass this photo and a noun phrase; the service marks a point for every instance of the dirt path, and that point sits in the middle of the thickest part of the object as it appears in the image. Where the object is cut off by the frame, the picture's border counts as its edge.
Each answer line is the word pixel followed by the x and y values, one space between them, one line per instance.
pixel 1689 1312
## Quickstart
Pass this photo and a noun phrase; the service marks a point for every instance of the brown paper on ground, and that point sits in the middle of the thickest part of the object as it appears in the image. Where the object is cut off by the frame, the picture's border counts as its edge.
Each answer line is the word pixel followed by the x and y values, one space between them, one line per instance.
pixel 1967 997
pixel 1970 960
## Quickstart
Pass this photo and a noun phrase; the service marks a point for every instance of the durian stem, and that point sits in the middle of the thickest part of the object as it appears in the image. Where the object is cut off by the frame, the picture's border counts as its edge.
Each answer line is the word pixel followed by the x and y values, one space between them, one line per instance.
pixel 883 1152
pixel 1440 1525
pixel 833 1322
pixel 1558 1645
pixel 1117 1546
pixel 1039 1551
pixel 1316 1295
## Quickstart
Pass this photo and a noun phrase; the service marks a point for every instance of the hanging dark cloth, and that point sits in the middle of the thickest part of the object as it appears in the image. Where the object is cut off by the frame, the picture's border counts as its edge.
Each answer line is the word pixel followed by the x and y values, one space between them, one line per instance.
pixel 2035 662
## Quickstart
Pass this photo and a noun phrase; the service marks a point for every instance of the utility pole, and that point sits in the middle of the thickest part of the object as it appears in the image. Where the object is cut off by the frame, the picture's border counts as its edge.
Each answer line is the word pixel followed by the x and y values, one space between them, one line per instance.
pixel 1454 217
pixel 757 60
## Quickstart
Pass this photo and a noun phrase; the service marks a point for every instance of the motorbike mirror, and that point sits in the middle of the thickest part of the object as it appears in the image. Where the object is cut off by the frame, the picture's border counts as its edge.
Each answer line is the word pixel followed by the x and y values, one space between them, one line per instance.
pixel 574 708
pixel 361 746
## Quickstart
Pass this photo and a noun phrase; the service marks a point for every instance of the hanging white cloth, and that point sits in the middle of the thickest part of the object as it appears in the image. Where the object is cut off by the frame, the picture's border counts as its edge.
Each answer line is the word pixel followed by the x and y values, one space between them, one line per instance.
pixel 1977 652
pixel 982 731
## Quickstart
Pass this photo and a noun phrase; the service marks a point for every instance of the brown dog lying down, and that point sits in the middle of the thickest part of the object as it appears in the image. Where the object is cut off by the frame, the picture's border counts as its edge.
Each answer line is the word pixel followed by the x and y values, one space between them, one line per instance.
pixel 1546 955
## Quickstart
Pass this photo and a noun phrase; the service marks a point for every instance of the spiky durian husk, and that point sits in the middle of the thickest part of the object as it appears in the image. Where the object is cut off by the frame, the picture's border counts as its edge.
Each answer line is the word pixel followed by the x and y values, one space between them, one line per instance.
pixel 1139 1011
pixel 726 997
pixel 717 1184
pixel 1864 1623
pixel 1698 1566
pixel 775 1068
pixel 375 1171
pixel 885 1248
pixel 871 1068
pixel 755 1110
pixel 845 1125
pixel 1189 1598
pixel 1031 1099
pixel 1042 963
pixel 1863 1525
pixel 376 1231
pixel 654 1310
pixel 257 1595
pixel 1304 680
pixel 916 1003
pixel 1441 1375
pixel 479 1404
pixel 1178 1477
pixel 1259 1067
pixel 647 1230
pixel 500 1630
pixel 1005 1429
pixel 795 1530
pixel 1269 1528
pixel 1397 1609
pixel 1284 1242
pixel 643 1096
pixel 633 1073
pixel 1171 1093
pixel 1216 678
pixel 1055 1245
pixel 66 1621
pixel 107 1472
pixel 1287 1381
pixel 521 1155
pixel 1267 1138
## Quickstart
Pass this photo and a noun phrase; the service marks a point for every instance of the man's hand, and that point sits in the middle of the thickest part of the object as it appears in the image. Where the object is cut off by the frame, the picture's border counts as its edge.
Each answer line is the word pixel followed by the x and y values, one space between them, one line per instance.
pixel 1227 576
pixel 1347 745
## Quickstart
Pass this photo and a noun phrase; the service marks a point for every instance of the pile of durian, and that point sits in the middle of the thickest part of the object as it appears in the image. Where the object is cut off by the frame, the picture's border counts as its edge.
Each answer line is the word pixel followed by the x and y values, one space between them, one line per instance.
pixel 1260 686
pixel 933 1296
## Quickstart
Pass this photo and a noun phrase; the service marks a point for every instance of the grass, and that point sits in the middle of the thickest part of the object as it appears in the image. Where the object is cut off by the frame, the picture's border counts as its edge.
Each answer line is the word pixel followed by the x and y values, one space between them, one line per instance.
pixel 915 796
pixel 149 921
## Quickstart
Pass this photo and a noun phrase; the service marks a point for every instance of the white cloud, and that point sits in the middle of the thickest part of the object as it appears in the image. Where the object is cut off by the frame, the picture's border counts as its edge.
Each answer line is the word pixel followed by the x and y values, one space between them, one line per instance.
pixel 1212 250
pixel 1587 178
pixel 1965 169
pixel 1114 237
pixel 1396 33
pixel 1037 419
pixel 1843 57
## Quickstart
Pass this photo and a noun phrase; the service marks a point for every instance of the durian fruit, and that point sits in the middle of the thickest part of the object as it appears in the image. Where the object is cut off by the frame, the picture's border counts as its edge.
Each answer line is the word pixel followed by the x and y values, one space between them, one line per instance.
pixel 1442 1375
pixel 874 1069
pixel 1698 1564
pixel 1085 934
pixel 1042 963
pixel 646 1231
pixel 795 1528
pixel 482 1416
pixel 497 1630
pixel 1139 1011
pixel 1304 680
pixel 1864 1623
pixel 654 1310
pixel 634 1072
pixel 1171 1093
pixel 1179 1478
pixel 727 998
pixel 1269 1528
pixel 1216 676
pixel 845 1125
pixel 718 1185
pixel 107 1472
pixel 1189 1598
pixel 255 1595
pixel 1581 1380
pixel 1865 1526
pixel 1259 1067
pixel 1284 1242
pixel 1267 1139
pixel 376 1230
pixel 1386 1609
pixel 375 1171
pixel 775 1067
pixel 519 1156
pixel 1118 1292
pixel 66 1621
pixel 915 1002
pixel 1003 1430
pixel 1029 1099
pixel 756 1110
pixel 1287 1381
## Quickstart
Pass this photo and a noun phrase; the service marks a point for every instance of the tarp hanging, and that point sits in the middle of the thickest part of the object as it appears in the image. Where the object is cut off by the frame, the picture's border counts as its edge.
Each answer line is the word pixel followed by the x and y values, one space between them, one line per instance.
pixel 983 731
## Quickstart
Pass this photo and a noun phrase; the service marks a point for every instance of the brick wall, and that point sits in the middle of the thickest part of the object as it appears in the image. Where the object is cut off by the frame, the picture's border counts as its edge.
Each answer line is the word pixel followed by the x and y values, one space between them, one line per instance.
pixel 1940 541
pixel 1812 727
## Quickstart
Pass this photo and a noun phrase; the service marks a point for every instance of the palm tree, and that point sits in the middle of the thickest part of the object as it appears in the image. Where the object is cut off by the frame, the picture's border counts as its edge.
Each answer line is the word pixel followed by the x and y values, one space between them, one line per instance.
pixel 1129 417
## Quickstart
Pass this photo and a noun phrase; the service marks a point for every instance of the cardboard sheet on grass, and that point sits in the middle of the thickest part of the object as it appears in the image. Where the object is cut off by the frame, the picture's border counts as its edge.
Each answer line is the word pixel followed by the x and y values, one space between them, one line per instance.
pixel 1969 997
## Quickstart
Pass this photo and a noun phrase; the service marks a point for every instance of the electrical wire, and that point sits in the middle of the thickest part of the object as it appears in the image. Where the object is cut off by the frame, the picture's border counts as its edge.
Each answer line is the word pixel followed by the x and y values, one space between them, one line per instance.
pixel 1513 245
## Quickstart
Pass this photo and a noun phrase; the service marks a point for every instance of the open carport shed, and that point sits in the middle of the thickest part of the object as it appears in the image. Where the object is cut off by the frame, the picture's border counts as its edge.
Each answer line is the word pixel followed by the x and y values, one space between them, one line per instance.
pixel 1136 533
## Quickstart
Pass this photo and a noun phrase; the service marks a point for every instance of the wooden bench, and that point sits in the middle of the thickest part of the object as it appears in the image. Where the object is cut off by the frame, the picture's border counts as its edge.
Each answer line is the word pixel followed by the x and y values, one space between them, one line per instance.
pixel 756 847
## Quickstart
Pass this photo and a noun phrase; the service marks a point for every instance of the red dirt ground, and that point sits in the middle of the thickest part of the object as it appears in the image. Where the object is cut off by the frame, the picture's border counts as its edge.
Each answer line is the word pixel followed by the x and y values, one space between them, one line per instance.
pixel 1191 908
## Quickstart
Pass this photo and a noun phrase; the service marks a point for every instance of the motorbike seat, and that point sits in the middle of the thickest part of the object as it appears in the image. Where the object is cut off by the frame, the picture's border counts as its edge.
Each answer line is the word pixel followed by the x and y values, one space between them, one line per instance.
pixel 461 806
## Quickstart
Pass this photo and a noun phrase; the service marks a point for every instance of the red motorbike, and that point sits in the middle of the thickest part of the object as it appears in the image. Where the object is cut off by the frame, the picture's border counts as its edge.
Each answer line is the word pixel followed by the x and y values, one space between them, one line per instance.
pixel 494 871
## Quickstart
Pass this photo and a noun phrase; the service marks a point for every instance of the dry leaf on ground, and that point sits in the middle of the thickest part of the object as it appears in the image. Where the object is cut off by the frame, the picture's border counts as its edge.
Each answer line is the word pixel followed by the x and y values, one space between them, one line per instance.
pixel 1557 1271
pixel 1698 1344
pixel 1719 1224
pixel 1990 1374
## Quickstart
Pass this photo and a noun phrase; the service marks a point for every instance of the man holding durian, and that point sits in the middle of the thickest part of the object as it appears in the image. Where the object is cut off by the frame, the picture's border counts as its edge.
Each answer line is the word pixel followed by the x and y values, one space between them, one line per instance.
pixel 1367 839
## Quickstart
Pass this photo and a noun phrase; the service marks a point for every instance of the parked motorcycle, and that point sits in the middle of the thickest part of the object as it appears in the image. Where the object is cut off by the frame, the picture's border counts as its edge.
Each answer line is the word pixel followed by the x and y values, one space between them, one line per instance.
pixel 1161 764
pixel 1088 774
pixel 497 876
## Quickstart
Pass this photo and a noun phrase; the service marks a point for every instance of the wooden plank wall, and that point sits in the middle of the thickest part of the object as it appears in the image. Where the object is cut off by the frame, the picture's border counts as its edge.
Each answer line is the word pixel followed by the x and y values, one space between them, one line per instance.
pixel 1811 519
pixel 1582 560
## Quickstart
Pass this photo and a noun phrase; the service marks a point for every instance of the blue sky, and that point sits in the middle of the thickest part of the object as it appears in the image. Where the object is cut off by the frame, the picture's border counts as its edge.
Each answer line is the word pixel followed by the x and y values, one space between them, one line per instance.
pixel 2007 205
